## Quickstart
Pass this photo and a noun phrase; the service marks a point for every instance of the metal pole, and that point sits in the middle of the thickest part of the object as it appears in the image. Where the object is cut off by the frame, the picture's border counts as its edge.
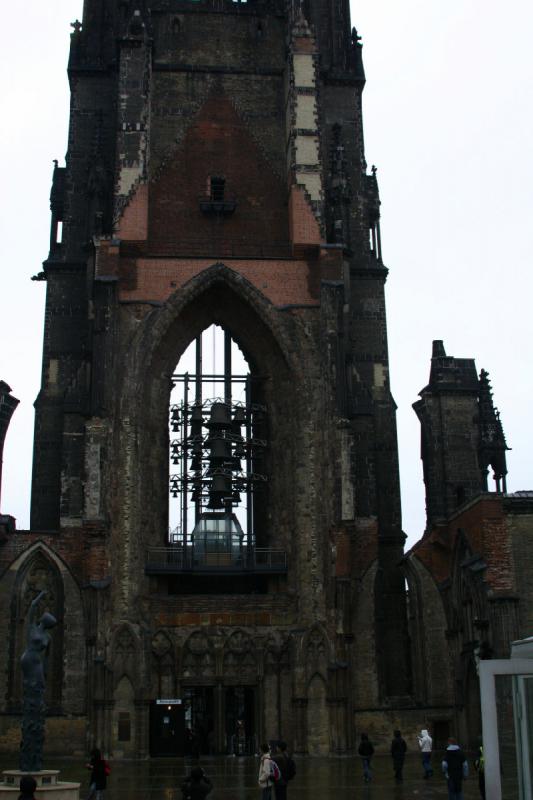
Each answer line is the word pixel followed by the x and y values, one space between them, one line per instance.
pixel 248 429
pixel 227 368
pixel 184 459
pixel 198 401
pixel 227 394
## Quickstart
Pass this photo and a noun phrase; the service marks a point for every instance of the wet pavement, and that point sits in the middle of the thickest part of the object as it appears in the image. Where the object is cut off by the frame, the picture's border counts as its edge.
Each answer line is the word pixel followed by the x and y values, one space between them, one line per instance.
pixel 236 779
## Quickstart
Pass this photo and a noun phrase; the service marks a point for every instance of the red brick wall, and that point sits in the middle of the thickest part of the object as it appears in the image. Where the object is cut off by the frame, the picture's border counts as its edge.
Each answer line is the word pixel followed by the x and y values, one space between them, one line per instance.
pixel 218 144
pixel 281 281
pixel 485 525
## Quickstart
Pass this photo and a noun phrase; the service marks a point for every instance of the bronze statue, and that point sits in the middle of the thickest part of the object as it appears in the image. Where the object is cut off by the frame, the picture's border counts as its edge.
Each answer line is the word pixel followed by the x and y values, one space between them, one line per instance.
pixel 33 664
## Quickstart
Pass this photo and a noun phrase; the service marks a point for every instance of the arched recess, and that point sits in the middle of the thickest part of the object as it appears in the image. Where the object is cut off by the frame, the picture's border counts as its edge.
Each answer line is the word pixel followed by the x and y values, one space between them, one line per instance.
pixel 125 658
pixel 470 632
pixel 39 569
pixel 318 729
pixel 316 652
pixel 430 655
pixel 123 720
pixel 274 351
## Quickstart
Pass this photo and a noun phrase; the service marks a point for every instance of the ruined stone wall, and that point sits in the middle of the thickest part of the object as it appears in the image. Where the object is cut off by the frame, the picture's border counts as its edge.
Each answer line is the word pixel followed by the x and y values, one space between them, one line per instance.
pixel 521 532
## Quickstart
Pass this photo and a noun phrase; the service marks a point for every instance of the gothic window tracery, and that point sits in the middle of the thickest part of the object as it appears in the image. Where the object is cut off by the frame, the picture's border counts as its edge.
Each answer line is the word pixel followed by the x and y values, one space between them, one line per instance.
pixel 163 671
pixel 198 657
pixel 240 658
pixel 316 653
pixel 125 654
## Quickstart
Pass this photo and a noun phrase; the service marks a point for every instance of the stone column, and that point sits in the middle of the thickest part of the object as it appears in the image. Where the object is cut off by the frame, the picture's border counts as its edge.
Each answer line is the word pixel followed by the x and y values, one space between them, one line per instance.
pixel 299 705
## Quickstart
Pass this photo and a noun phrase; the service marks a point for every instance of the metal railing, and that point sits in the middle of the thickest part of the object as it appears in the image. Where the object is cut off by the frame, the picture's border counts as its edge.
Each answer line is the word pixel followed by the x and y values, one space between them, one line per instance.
pixel 173 560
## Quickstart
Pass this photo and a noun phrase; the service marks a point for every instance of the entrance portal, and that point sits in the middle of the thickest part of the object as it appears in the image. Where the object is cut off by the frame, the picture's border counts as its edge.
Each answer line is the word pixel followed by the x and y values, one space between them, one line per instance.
pixel 166 728
pixel 240 721
pixel 199 724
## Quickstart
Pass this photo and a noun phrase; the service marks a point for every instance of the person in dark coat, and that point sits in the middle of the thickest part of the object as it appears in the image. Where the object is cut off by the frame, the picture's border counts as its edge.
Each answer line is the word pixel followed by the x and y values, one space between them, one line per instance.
pixel 27 788
pixel 397 750
pixel 366 751
pixel 197 786
pixel 287 770
pixel 98 779
pixel 455 768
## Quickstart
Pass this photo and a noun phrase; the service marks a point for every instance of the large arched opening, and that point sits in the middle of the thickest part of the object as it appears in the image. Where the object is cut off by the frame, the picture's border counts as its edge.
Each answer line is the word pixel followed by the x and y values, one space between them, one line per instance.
pixel 262 389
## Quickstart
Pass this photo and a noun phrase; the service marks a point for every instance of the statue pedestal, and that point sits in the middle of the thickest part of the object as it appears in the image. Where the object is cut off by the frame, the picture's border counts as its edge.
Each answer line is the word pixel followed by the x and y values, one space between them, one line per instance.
pixel 48 785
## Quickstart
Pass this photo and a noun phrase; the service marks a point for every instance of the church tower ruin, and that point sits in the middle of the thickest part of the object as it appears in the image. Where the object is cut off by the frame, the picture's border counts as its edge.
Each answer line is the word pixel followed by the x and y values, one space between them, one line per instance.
pixel 222 534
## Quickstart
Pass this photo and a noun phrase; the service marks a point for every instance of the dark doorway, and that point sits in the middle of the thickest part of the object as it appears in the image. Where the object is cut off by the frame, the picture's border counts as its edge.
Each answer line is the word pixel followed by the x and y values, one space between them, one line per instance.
pixel 199 725
pixel 240 720
pixel 166 728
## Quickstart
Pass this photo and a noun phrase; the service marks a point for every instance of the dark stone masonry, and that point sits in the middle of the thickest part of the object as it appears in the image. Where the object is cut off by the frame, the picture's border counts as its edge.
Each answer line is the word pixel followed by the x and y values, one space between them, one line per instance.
pixel 216 175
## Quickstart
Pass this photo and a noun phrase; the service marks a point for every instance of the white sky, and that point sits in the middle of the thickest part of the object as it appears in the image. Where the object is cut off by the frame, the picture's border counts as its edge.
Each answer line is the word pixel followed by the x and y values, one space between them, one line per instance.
pixel 448 122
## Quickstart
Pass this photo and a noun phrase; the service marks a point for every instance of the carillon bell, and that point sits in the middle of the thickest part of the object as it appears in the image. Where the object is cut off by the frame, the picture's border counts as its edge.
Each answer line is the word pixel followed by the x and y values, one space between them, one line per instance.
pixel 197 446
pixel 220 451
pixel 196 420
pixel 219 491
pixel 175 419
pixel 196 463
pixel 239 416
pixel 219 417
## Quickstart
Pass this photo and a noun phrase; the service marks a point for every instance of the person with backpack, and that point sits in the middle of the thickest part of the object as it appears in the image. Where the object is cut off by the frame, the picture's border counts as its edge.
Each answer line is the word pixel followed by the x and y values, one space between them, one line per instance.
pixel 425 743
pixel 366 751
pixel 269 773
pixel 99 772
pixel 455 768
pixel 287 768
pixel 197 786
pixel 397 750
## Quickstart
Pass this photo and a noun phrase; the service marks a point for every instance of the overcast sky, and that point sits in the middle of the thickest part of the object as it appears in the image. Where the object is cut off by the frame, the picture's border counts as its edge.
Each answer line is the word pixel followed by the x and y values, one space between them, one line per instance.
pixel 448 123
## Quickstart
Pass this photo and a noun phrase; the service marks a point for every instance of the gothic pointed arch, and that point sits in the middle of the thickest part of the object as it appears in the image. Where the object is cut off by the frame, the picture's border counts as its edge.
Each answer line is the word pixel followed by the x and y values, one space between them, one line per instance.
pixel 125 654
pixel 226 297
pixel 316 652
pixel 428 634
pixel 221 296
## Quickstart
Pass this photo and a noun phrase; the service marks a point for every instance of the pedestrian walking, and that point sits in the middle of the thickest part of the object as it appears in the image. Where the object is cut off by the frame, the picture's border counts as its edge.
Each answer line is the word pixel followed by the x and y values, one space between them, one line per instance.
pixel 479 765
pixel 197 786
pixel 425 742
pixel 398 749
pixel 99 771
pixel 455 768
pixel 287 769
pixel 27 788
pixel 268 773
pixel 366 751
